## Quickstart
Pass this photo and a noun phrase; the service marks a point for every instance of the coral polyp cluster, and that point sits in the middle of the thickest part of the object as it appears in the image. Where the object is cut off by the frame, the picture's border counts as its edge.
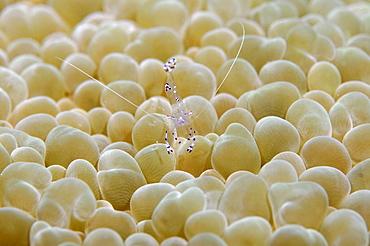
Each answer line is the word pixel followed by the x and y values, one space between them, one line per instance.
pixel 279 95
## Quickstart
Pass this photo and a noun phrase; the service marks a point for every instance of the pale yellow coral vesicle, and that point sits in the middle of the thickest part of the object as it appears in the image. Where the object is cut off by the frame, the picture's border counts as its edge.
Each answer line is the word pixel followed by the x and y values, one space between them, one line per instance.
pixel 175 177
pixel 145 199
pixel 11 218
pixel 98 118
pixel 43 234
pixel 212 188
pixel 75 120
pixel 274 135
pixel 209 220
pixel 171 213
pixel 200 158
pixel 251 202
pixel 118 185
pixel 326 151
pixel 72 77
pixel 14 85
pixel 152 13
pixel 87 95
pixel 345 227
pixel 291 235
pixel 19 63
pixel 57 172
pixel 223 102
pixel 128 89
pixel 304 203
pixel 324 76
pixel 266 102
pixel 259 50
pixel 358 201
pixel 332 31
pixel 14 21
pixel 149 129
pixel 141 238
pixel 23 46
pixel 25 140
pixel 310 118
pixel 351 86
pixel 27 154
pixel 155 104
pixel 127 147
pixel 358 107
pixel 6 105
pixel 204 116
pixel 9 142
pixel 101 140
pixel 242 78
pixel 194 79
pixel 151 77
pixel 67 203
pixel 86 172
pixel 220 37
pixel 37 125
pixel 359 176
pixel 357 143
pixel 251 230
pixel 122 223
pixel 65 144
pixel 322 97
pixel 283 70
pixel 200 23
pixel 353 64
pixel 74 11
pixel 278 171
pixel 157 42
pixel 103 236
pixel 211 56
pixel 236 146
pixel 341 121
pixel 110 37
pixel 155 162
pixel 335 183
pixel 117 66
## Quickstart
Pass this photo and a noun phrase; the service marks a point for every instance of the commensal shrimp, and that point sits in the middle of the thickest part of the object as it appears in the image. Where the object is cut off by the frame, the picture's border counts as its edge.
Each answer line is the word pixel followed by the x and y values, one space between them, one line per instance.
pixel 180 114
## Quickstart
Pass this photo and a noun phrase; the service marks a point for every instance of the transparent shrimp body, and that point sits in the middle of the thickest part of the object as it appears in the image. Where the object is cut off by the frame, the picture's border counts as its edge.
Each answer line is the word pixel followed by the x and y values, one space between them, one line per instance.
pixel 180 115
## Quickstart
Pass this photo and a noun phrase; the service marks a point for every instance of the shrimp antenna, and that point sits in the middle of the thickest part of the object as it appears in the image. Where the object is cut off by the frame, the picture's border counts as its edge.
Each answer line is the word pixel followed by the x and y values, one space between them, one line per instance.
pixel 102 84
pixel 231 67
pixel 234 61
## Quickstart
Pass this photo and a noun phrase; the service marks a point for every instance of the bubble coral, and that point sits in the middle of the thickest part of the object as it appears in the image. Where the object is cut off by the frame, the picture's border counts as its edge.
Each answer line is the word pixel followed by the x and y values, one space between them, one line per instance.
pixel 357 143
pixel 120 222
pixel 70 210
pixel 102 236
pixel 266 102
pixel 274 135
pixel 171 213
pixel 212 221
pixel 315 152
pixel 310 119
pixel 335 183
pixel 345 226
pixel 65 144
pixel 296 235
pixel 251 202
pixel 242 78
pixel 304 203
pixel 359 176
pixel 238 146
pixel 43 234
pixel 156 42
pixel 12 218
